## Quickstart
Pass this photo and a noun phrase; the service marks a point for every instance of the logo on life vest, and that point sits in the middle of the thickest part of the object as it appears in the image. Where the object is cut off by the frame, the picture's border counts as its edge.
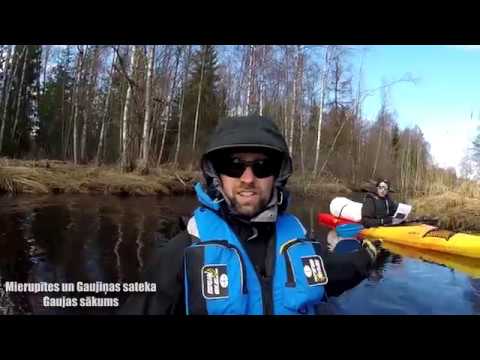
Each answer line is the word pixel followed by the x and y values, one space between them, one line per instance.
pixel 215 281
pixel 314 270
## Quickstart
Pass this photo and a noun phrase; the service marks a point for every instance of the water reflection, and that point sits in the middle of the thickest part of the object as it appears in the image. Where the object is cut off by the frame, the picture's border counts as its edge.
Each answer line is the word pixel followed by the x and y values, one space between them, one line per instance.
pixel 66 239
pixel 100 238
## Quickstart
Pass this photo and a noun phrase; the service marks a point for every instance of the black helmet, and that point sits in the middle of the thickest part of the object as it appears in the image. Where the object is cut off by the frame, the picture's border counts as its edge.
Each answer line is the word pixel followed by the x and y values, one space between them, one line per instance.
pixel 248 132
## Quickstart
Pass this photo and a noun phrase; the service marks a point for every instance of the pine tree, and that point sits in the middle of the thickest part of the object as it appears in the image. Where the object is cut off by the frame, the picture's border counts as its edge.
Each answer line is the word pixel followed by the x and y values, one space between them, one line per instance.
pixel 22 115
pixel 55 107
pixel 211 103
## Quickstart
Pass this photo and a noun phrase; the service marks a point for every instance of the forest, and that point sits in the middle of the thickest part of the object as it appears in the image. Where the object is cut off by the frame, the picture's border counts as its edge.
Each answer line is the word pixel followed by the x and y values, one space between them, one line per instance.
pixel 140 107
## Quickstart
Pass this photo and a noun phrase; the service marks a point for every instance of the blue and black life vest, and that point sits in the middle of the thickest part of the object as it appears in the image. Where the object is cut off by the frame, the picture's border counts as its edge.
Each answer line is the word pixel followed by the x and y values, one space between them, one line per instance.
pixel 221 279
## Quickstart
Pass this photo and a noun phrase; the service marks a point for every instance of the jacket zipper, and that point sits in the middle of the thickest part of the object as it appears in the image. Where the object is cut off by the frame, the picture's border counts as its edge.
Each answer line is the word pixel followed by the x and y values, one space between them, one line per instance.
pixel 288 261
pixel 272 274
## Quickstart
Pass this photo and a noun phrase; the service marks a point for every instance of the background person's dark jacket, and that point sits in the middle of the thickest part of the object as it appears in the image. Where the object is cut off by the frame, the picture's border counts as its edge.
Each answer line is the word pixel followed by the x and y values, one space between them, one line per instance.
pixel 377 211
pixel 165 268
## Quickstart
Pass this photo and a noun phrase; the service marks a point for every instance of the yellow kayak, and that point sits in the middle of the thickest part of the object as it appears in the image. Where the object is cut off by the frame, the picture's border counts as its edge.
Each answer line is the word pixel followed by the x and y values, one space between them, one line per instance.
pixel 467 265
pixel 428 237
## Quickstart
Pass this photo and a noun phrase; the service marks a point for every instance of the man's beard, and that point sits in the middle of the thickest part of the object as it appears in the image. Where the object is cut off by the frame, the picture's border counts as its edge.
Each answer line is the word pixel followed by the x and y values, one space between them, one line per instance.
pixel 249 210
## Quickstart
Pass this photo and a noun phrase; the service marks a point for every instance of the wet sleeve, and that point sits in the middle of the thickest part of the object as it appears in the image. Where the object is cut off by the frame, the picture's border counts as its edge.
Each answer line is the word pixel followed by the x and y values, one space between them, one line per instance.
pixel 393 207
pixel 165 269
pixel 345 271
pixel 368 214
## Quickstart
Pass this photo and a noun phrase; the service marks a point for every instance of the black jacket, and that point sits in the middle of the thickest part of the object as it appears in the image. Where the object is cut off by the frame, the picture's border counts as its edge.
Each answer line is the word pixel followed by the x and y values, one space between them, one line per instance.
pixel 165 268
pixel 377 211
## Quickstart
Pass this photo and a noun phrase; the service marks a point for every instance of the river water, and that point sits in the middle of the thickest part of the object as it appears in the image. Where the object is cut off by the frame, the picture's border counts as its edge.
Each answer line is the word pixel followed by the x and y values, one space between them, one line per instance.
pixel 82 239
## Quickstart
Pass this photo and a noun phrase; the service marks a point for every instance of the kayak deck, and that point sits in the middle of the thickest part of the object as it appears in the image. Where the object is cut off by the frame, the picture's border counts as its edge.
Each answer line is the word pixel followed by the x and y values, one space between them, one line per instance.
pixel 428 237
pixel 468 265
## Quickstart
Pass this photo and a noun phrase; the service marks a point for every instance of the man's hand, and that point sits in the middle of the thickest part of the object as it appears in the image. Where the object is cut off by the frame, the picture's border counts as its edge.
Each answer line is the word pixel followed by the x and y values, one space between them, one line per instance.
pixel 387 220
pixel 372 247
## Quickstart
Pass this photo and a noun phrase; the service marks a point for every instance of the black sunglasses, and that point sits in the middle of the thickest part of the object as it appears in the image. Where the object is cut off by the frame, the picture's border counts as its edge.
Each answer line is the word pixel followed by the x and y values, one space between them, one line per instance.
pixel 235 167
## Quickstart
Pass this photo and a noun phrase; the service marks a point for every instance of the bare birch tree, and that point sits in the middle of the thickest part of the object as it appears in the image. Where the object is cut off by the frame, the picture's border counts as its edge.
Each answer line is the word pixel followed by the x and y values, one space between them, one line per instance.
pixel 90 94
pixel 76 96
pixel 101 140
pixel 182 102
pixel 293 109
pixel 47 49
pixel 125 160
pixel 251 64
pixel 197 107
pixel 148 110
pixel 323 90
pixel 169 104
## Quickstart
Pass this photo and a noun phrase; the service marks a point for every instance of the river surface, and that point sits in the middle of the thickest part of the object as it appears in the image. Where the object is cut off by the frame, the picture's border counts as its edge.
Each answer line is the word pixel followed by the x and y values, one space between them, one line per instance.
pixel 84 239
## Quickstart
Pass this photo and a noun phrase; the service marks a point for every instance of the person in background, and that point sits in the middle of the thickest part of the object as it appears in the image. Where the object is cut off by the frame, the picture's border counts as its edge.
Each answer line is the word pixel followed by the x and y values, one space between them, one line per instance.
pixel 378 208
pixel 241 252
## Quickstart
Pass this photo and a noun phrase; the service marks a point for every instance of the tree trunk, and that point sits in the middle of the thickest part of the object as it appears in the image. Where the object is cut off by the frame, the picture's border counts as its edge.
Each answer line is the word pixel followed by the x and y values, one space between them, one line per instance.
pixel 320 111
pixel 6 75
pixel 300 105
pixel 286 94
pixel 238 102
pixel 19 94
pixel 36 106
pixel 153 128
pixel 91 86
pixel 302 160
pixel 294 105
pixel 76 91
pixel 6 96
pixel 417 166
pixel 83 136
pixel 182 101
pixel 262 82
pixel 101 141
pixel 125 163
pixel 197 107
pixel 260 103
pixel 407 163
pixel 357 118
pixel 62 114
pixel 120 128
pixel 47 54
pixel 332 147
pixel 169 105
pixel 377 154
pixel 248 98
pixel 148 112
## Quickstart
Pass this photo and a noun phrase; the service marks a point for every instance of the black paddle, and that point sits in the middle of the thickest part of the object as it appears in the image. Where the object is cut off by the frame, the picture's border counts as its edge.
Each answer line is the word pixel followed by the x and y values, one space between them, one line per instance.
pixel 422 220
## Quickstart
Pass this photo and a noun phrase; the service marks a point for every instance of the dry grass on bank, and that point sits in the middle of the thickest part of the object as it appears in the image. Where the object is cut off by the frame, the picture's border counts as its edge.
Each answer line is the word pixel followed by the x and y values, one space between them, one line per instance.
pixel 456 210
pixel 53 176
pixel 40 177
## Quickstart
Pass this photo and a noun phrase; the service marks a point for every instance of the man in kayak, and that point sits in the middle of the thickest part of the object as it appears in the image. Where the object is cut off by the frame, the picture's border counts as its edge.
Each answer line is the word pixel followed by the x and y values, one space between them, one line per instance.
pixel 378 208
pixel 241 252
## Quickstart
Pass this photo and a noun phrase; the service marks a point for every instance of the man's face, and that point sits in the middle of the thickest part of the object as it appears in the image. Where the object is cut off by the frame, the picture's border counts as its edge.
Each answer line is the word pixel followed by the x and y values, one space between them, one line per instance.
pixel 382 189
pixel 248 193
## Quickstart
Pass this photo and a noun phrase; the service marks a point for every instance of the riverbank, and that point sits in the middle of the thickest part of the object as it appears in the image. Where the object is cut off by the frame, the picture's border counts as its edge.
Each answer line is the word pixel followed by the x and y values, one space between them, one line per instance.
pixel 43 177
pixel 53 176
pixel 457 210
